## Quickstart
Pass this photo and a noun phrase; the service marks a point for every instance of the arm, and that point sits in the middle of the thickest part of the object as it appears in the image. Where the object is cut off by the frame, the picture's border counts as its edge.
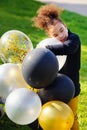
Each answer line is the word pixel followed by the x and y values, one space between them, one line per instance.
pixel 68 47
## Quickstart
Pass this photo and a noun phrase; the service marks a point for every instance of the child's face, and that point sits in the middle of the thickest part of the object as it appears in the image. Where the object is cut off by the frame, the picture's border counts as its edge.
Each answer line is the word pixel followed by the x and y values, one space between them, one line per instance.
pixel 59 31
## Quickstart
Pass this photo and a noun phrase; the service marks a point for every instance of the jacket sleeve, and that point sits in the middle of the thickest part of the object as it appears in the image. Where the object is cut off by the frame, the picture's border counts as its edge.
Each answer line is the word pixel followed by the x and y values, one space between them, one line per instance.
pixel 68 47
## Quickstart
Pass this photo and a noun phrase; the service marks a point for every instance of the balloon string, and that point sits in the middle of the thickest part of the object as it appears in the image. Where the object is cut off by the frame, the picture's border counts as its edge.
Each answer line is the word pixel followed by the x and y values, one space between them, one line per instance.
pixel 38 126
pixel 3 58
pixel 1 100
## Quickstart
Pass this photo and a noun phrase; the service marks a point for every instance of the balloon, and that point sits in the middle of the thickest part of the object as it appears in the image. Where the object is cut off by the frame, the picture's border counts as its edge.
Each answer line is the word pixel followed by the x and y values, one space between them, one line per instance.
pixel 56 115
pixel 10 78
pixel 39 67
pixel 1 112
pixel 61 89
pixel 23 106
pixel 14 45
pixel 53 41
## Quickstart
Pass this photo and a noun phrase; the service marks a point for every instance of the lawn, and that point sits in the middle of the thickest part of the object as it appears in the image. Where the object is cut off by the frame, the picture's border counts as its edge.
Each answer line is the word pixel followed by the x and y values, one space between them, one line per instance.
pixel 17 15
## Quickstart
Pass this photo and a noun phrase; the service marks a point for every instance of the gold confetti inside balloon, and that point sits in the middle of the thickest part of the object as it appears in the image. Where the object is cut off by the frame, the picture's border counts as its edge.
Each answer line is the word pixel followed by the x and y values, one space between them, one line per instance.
pixel 14 45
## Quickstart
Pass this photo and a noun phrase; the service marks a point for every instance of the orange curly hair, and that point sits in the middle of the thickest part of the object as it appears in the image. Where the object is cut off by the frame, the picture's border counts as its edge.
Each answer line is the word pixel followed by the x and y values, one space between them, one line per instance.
pixel 45 16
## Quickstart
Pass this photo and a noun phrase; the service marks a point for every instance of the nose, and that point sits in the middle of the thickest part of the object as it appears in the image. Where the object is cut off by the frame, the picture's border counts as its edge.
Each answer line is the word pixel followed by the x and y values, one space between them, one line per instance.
pixel 60 35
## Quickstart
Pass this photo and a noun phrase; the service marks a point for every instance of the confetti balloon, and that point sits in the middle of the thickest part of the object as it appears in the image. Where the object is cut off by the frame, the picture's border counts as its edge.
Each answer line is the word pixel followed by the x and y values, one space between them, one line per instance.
pixel 10 78
pixel 56 115
pixel 23 106
pixel 14 45
pixel 52 41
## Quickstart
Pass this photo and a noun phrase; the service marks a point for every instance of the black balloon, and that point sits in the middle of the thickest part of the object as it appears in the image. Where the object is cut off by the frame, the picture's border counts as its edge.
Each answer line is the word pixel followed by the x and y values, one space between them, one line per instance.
pixel 40 67
pixel 62 89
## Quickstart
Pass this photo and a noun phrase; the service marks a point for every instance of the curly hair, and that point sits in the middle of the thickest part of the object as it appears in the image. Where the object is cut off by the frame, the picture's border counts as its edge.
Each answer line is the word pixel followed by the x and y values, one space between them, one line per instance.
pixel 45 16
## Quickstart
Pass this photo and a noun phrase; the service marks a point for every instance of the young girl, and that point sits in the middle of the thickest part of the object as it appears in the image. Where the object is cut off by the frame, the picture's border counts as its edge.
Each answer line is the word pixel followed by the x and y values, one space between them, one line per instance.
pixel 48 19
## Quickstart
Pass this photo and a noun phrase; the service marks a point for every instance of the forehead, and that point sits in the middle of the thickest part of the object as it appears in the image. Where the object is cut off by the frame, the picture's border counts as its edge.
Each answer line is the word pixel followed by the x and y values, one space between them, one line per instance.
pixel 57 27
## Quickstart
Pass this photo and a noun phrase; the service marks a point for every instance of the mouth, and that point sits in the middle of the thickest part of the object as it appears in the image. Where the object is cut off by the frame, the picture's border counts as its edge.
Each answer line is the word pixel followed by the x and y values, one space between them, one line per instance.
pixel 63 39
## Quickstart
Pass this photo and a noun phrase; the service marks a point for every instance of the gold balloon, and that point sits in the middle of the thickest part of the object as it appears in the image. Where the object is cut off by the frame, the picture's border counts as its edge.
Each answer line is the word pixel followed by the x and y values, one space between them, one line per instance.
pixel 14 45
pixel 56 115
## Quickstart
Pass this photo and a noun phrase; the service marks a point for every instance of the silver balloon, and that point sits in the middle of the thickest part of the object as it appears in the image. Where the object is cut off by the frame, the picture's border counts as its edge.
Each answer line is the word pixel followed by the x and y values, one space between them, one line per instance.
pixel 53 41
pixel 10 79
pixel 23 106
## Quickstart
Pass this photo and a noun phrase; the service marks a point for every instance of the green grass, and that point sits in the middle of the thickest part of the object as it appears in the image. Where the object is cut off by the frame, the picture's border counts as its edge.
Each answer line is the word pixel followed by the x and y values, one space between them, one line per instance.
pixel 17 15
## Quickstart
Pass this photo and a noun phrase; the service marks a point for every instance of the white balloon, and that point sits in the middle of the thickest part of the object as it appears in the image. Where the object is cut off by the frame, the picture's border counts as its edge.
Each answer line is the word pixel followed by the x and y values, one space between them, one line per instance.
pixel 53 41
pixel 10 78
pixel 23 106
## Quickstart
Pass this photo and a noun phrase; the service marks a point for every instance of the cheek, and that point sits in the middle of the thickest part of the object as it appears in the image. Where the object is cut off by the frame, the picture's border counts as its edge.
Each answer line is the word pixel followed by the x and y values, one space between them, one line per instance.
pixel 66 32
pixel 57 38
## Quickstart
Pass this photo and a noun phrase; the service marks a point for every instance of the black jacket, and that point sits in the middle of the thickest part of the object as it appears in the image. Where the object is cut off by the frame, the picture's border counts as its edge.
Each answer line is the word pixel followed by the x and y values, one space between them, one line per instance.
pixel 72 48
pixel 71 68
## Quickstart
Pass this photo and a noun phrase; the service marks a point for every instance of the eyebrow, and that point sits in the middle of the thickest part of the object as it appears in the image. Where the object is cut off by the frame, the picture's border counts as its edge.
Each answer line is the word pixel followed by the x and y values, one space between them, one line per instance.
pixel 60 28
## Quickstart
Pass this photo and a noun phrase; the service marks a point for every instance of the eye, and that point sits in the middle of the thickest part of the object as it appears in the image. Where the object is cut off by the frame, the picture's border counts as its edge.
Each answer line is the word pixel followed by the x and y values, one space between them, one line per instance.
pixel 61 30
pixel 55 35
